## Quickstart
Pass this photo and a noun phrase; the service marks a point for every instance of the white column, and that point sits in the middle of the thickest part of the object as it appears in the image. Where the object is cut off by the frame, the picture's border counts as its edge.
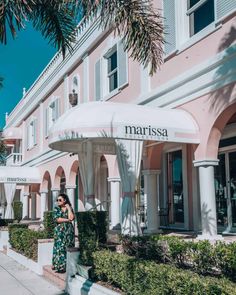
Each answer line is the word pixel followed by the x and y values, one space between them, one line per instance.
pixel 115 202
pixel 25 210
pixel 70 191
pixel 43 203
pixel 55 193
pixel 207 199
pixel 151 190
pixel 33 206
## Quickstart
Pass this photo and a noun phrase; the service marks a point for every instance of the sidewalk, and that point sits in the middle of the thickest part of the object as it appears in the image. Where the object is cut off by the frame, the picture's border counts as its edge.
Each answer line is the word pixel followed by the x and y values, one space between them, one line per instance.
pixel 16 279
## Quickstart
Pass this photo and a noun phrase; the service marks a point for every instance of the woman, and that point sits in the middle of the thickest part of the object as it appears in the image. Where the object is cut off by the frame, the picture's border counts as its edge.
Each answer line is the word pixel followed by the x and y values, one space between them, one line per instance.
pixel 63 232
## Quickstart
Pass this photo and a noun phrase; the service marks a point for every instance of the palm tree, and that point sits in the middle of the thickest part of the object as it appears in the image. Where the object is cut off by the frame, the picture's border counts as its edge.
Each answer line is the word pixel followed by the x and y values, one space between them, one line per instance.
pixel 136 21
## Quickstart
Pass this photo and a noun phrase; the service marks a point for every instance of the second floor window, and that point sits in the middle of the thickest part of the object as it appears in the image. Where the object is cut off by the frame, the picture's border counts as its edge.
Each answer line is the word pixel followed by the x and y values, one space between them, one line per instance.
pixel 51 115
pixel 112 74
pixel 201 14
pixel 31 134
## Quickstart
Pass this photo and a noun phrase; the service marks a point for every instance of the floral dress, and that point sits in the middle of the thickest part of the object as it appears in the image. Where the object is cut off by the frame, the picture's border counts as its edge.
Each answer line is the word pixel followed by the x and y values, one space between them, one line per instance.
pixel 63 238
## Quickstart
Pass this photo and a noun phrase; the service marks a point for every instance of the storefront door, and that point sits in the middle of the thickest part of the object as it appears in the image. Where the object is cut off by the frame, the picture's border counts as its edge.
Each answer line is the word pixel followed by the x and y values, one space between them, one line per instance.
pixel 175 188
pixel 225 185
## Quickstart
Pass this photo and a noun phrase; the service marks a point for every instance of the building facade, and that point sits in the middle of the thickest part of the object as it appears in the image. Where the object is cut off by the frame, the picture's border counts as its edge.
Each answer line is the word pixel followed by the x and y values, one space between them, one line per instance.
pixel 184 116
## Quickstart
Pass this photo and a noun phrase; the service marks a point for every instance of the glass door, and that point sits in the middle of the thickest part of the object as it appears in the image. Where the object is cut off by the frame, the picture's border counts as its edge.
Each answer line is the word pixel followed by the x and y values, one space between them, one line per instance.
pixel 232 190
pixel 175 188
pixel 225 186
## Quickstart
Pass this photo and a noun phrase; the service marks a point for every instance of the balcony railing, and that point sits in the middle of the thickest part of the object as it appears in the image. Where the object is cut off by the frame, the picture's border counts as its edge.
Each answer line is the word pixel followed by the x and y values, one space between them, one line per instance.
pixel 14 159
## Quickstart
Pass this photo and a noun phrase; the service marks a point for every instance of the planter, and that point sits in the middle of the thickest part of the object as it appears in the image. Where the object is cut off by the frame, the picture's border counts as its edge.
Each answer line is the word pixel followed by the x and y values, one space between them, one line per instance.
pixel 79 285
pixel 4 239
pixel 45 247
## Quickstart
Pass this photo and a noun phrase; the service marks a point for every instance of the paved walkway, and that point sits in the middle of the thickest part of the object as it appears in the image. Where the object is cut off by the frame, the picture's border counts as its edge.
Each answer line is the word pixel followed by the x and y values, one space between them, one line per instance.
pixel 15 279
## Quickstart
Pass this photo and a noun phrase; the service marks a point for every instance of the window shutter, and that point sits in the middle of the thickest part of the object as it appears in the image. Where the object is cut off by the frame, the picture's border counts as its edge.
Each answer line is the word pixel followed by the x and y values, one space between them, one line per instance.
pixel 35 132
pixel 122 65
pixel 224 7
pixel 57 111
pixel 98 80
pixel 169 26
pixel 27 137
pixel 46 122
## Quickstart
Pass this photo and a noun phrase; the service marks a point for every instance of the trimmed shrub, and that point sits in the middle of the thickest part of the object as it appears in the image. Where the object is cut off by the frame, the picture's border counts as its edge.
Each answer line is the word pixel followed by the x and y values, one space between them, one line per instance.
pixel 5 222
pixel 137 277
pixel 25 241
pixel 92 229
pixel 226 259
pixel 17 208
pixel 49 224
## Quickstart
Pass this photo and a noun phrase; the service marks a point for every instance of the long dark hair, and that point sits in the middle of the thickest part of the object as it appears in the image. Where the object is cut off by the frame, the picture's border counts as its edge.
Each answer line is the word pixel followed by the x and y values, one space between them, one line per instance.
pixel 66 198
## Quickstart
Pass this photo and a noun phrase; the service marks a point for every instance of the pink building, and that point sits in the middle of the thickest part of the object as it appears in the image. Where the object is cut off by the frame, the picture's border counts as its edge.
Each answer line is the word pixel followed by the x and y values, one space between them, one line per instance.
pixel 177 129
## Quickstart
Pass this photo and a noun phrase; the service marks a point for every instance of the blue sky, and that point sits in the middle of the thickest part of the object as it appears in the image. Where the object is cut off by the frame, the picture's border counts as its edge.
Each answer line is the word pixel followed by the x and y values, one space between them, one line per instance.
pixel 21 62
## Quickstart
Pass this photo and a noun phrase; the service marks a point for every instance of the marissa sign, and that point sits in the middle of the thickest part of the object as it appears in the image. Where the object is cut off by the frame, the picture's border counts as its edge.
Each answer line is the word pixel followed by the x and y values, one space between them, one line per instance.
pixel 146 132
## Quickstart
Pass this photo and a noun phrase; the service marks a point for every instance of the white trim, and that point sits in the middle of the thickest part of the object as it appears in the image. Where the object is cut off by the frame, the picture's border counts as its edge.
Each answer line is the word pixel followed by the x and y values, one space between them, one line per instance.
pixel 206 162
pixel 191 84
pixel 43 158
pixel 86 79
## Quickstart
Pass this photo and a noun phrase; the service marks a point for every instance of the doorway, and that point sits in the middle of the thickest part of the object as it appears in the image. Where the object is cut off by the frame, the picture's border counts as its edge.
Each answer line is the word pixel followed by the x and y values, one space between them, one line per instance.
pixel 225 187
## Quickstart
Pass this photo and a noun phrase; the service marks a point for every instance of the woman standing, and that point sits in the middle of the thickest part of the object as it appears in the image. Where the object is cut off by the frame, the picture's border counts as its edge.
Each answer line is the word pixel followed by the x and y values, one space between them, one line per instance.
pixel 63 233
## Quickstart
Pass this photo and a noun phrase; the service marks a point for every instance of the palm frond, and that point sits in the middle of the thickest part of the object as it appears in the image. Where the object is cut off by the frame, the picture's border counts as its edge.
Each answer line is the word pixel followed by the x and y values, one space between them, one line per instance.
pixel 137 21
pixel 57 22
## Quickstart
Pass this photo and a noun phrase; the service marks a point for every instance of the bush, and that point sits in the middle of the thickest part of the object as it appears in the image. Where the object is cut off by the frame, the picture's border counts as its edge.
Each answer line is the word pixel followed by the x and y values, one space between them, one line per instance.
pixel 136 277
pixel 92 229
pixel 17 208
pixel 226 259
pixel 25 241
pixel 49 224
pixel 5 222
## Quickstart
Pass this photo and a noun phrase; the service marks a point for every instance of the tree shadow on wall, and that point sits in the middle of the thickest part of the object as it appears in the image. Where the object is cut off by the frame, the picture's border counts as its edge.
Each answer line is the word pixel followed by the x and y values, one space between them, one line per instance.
pixel 225 74
pixel 208 222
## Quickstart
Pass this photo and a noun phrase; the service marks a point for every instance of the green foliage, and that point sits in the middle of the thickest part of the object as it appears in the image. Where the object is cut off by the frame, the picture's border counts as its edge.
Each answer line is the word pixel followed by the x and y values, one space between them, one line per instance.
pixel 5 222
pixel 24 240
pixel 17 208
pixel 136 277
pixel 49 224
pixel 226 259
pixel 203 256
pixel 92 229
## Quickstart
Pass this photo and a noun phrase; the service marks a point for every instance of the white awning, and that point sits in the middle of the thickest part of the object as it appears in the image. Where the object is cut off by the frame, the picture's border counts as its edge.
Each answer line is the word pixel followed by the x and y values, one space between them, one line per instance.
pixel 12 133
pixel 19 175
pixel 109 120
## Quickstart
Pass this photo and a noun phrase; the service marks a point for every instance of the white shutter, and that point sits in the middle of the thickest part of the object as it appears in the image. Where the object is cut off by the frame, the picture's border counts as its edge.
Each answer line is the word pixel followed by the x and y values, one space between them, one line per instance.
pixel 169 26
pixel 224 7
pixel 35 132
pixel 27 136
pixel 122 65
pixel 57 111
pixel 46 122
pixel 97 80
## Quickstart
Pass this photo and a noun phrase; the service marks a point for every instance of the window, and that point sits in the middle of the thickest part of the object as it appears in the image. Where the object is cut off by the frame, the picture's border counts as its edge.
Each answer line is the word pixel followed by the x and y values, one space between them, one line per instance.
pixel 51 115
pixel 201 14
pixel 112 71
pixel 31 134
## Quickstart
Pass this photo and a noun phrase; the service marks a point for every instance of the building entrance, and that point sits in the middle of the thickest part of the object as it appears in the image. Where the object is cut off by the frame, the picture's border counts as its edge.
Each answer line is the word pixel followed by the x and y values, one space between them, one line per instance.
pixel 225 186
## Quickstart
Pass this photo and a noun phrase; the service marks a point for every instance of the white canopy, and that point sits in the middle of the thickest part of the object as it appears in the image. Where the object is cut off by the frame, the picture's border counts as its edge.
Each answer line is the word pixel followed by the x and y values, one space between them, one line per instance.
pixel 111 120
pixel 19 175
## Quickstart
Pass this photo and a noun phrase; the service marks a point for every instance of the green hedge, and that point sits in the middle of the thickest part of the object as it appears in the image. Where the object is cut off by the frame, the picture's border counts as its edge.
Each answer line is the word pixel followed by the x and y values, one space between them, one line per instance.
pixel 5 222
pixel 202 256
pixel 92 231
pixel 137 277
pixel 17 208
pixel 24 240
pixel 49 224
